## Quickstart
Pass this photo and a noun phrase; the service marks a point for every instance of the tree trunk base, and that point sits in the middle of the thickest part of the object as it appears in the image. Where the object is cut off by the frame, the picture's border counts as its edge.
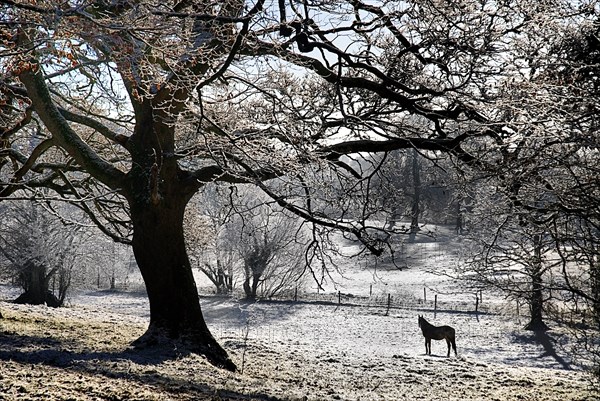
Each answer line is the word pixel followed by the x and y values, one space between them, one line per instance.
pixel 30 298
pixel 535 325
pixel 196 342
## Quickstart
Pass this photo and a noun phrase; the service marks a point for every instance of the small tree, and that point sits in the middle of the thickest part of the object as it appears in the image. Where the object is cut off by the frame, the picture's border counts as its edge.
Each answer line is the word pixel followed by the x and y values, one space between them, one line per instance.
pixel 221 275
pixel 38 250
pixel 238 234
pixel 272 257
pixel 205 229
pixel 204 241
pixel 269 244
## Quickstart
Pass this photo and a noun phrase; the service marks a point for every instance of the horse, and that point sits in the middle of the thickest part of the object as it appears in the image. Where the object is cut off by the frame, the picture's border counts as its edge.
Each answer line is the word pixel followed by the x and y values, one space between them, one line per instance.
pixel 431 332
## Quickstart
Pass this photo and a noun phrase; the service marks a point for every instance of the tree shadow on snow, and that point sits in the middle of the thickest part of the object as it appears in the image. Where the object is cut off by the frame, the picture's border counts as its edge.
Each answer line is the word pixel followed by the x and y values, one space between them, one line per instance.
pixel 548 342
pixel 35 350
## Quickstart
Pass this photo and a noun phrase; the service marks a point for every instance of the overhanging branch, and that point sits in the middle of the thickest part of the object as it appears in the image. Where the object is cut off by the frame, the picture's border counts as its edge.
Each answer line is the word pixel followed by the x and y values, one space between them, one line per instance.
pixel 65 136
pixel 452 146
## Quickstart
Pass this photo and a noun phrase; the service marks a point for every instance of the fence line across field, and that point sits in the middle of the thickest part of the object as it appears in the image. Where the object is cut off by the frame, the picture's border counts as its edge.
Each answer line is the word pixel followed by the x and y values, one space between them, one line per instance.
pixel 386 301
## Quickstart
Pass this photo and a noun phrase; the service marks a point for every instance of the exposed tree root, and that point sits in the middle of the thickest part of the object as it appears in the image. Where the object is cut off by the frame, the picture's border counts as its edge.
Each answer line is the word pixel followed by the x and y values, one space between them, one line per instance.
pixel 195 342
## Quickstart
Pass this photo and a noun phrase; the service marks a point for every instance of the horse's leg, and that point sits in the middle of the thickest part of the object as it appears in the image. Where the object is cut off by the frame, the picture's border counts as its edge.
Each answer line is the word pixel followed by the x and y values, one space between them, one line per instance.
pixel 454 346
pixel 426 353
pixel 448 343
pixel 428 346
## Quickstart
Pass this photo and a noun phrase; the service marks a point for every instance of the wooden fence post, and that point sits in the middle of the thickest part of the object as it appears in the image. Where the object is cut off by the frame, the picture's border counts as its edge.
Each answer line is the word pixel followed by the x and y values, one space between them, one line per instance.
pixel 435 303
pixel 424 294
pixel 389 303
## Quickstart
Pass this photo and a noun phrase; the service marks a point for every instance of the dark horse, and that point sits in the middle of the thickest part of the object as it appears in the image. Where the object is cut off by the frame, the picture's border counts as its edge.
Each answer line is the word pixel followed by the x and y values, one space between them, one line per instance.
pixel 431 332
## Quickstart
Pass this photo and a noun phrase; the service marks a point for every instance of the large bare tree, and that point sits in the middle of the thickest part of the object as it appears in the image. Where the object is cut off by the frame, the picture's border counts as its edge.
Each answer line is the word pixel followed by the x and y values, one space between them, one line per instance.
pixel 127 108
pixel 543 193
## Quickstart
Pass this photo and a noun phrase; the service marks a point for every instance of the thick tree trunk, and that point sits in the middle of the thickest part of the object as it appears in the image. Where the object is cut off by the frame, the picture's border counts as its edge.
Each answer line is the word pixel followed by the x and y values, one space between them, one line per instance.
pixel 36 283
pixel 416 201
pixel 536 303
pixel 255 283
pixel 157 192
pixel 248 287
pixel 536 298
pixel 175 313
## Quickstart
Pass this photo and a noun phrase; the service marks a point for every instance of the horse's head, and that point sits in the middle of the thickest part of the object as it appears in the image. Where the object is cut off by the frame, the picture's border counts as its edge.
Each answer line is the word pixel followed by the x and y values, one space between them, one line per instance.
pixel 420 320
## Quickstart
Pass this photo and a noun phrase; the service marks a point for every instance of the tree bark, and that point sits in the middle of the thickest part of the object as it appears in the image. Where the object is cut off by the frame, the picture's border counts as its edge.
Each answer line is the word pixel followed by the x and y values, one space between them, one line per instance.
pixel 536 298
pixel 459 218
pixel 157 192
pixel 416 201
pixel 248 288
pixel 536 302
pixel 255 283
pixel 175 312
pixel 36 283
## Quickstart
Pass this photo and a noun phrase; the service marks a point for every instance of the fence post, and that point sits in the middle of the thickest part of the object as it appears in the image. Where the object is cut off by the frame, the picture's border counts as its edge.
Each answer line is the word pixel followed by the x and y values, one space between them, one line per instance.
pixel 339 297
pixel 296 295
pixel 424 294
pixel 371 290
pixel 435 303
pixel 389 303
pixel 476 303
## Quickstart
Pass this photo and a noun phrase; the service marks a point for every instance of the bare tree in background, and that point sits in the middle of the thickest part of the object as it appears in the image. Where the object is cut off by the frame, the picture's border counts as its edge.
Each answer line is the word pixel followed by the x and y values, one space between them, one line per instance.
pixel 206 231
pixel 510 255
pixel 240 235
pixel 574 217
pixel 416 188
pixel 271 248
pixel 39 254
pixel 546 183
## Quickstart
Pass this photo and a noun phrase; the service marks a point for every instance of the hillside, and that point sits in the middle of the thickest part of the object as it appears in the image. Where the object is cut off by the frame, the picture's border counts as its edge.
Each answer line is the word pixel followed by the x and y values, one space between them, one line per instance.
pixel 292 350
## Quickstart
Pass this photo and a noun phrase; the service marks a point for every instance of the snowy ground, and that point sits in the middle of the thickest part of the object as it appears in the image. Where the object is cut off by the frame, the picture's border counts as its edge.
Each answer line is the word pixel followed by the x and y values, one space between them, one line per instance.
pixel 287 350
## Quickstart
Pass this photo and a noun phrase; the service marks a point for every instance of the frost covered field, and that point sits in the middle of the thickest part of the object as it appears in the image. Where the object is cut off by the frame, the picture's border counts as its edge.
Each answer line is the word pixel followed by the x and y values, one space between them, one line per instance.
pixel 289 350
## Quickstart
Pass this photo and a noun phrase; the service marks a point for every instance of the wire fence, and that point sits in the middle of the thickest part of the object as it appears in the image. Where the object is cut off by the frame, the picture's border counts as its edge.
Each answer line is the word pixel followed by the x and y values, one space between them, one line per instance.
pixel 385 301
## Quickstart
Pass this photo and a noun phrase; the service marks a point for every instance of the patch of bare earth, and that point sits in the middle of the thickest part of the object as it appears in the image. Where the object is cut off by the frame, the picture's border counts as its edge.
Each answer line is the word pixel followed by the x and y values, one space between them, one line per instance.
pixel 83 355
